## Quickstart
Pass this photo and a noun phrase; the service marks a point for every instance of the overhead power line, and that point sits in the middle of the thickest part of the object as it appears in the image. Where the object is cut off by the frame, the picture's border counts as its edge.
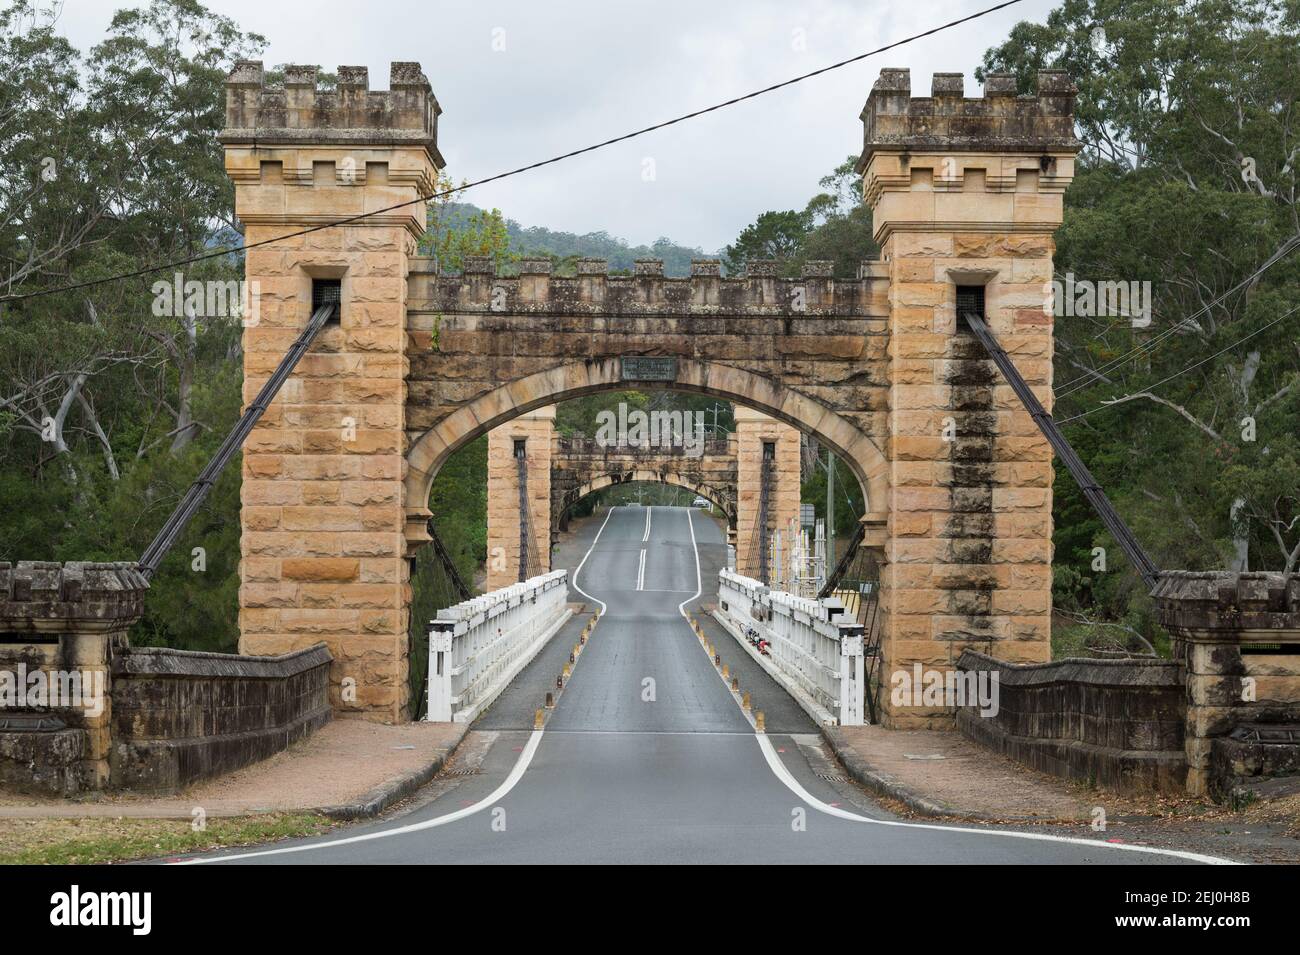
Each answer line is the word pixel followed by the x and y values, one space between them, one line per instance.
pixel 217 253
pixel 1178 374
pixel 1149 345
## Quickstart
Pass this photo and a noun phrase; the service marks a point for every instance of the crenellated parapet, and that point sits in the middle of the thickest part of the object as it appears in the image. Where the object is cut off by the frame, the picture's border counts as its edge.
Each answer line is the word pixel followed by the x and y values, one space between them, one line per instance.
pixel 482 287
pixel 301 110
pixel 992 146
pixel 286 142
pixel 949 121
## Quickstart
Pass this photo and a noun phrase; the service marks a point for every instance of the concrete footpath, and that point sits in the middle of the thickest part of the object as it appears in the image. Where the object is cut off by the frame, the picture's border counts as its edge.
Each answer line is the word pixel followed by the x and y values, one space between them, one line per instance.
pixel 350 769
pixel 943 774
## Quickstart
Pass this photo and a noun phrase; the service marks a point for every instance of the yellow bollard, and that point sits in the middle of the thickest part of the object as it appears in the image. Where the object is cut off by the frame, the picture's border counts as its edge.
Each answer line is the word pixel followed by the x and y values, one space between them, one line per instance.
pixel 760 725
pixel 744 701
pixel 726 673
pixel 567 670
pixel 539 719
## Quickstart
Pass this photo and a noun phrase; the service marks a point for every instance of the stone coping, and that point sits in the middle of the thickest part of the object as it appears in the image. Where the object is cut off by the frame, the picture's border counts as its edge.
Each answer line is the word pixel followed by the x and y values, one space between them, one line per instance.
pixel 48 596
pixel 1140 672
pixel 1226 605
pixel 165 661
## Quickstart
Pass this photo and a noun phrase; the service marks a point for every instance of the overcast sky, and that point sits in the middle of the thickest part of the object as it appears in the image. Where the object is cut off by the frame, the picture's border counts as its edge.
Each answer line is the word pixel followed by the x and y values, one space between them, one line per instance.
pixel 574 72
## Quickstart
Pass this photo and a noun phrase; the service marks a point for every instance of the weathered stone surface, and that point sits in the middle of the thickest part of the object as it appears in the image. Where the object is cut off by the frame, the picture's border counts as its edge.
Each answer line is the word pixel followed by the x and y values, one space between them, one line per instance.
pixel 181 716
pixel 1117 724
pixel 962 191
pixel 1224 625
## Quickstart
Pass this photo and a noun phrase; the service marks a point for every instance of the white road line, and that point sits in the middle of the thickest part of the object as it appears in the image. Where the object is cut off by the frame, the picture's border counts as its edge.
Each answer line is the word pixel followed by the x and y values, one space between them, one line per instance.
pixel 578 570
pixel 646 536
pixel 516 773
pixel 495 797
pixel 640 572
pixel 783 774
pixel 699 586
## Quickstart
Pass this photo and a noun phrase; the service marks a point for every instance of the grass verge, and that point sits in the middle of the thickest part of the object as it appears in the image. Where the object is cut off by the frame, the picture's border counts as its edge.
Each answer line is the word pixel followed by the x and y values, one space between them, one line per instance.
pixel 93 841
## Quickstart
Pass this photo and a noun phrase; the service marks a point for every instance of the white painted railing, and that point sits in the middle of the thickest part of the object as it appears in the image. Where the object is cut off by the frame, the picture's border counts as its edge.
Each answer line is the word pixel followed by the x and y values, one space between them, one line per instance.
pixel 478 646
pixel 812 648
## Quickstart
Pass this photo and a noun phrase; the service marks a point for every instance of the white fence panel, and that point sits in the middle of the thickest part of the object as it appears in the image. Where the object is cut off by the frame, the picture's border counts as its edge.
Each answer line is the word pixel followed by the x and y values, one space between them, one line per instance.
pixel 478 646
pixel 811 648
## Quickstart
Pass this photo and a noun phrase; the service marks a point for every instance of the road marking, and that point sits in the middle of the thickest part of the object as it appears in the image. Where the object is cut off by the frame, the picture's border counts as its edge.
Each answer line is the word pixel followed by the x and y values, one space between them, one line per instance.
pixel 640 572
pixel 521 765
pixel 646 536
pixel 699 586
pixel 782 773
pixel 576 572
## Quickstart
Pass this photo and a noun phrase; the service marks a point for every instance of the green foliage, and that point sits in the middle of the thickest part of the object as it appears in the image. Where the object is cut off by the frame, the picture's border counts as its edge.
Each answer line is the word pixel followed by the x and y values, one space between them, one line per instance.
pixel 566 247
pixel 108 409
pixel 834 226
pixel 1179 103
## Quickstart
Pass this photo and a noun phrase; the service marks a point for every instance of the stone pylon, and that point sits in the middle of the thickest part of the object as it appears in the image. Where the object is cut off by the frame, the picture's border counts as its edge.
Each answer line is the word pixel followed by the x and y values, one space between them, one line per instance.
pixel 764 444
pixel 530 439
pixel 324 554
pixel 965 197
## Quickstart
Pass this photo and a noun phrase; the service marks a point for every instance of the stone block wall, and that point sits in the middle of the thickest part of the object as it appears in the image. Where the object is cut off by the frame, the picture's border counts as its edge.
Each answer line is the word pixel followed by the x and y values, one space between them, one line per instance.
pixel 1115 724
pixel 581 465
pixel 181 716
pixel 324 545
pixel 1235 636
pixel 536 430
pixel 966 193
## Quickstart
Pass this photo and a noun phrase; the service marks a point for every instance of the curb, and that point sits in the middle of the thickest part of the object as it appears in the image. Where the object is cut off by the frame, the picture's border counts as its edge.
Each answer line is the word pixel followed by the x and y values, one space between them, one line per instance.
pixel 381 798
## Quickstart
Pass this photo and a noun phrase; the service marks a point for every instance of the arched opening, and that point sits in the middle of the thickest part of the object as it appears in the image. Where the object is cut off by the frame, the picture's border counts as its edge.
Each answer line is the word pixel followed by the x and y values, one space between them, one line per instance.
pixel 604 481
pixel 431 450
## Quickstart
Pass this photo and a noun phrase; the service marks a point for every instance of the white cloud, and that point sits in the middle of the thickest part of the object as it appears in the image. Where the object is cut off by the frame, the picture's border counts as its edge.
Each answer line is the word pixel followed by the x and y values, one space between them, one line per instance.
pixel 580 71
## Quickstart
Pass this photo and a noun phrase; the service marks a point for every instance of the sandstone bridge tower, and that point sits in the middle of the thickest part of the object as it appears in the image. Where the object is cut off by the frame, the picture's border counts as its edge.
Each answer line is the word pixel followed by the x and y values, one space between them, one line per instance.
pixel 323 547
pixel 965 194
pixel 965 197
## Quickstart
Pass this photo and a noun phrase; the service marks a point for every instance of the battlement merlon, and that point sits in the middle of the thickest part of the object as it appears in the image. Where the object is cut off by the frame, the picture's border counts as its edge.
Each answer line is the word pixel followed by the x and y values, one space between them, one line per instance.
pixel 996 145
pixel 379 146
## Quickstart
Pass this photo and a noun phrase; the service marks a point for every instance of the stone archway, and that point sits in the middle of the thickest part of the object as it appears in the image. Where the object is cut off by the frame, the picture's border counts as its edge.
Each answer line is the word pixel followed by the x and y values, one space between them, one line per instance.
pixel 428 453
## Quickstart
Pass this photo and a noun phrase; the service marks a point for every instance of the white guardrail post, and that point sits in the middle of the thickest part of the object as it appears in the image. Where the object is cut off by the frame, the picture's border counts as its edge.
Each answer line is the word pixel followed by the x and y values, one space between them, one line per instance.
pixel 478 646
pixel 812 650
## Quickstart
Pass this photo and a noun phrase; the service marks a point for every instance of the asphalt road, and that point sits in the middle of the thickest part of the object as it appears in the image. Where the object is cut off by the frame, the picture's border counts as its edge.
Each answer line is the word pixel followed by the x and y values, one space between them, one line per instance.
pixel 647 758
